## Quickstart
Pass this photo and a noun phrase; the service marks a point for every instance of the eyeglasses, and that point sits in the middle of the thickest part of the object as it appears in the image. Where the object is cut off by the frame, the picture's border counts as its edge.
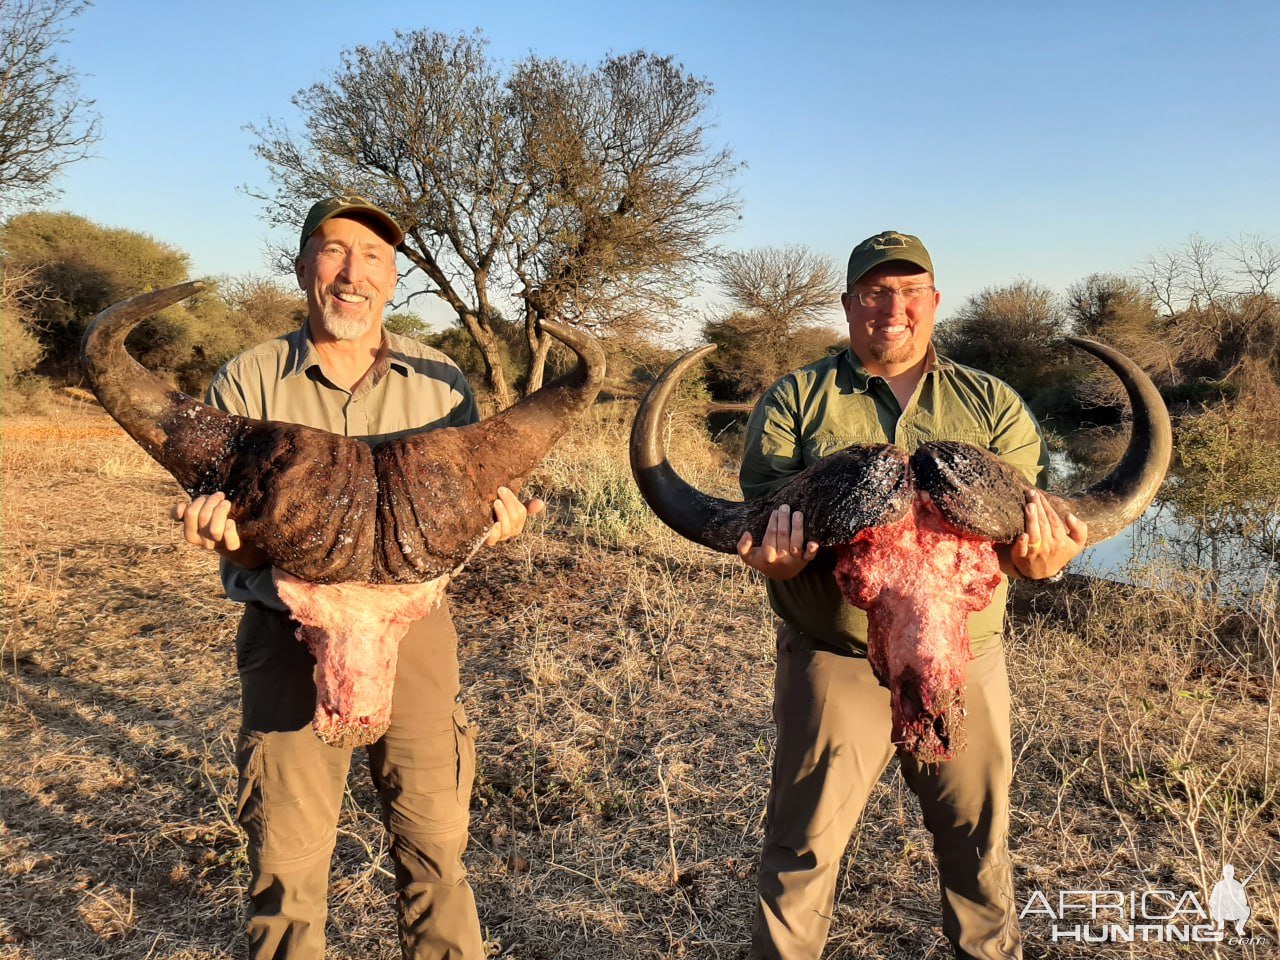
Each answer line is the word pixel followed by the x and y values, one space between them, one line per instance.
pixel 883 296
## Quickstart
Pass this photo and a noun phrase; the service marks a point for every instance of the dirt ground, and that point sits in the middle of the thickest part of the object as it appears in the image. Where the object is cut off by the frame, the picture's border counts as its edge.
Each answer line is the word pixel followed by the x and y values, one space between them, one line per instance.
pixel 622 697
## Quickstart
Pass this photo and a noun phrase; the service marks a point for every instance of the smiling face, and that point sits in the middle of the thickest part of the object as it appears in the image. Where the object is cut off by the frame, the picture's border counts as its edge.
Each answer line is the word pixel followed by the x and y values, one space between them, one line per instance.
pixel 348 272
pixel 893 335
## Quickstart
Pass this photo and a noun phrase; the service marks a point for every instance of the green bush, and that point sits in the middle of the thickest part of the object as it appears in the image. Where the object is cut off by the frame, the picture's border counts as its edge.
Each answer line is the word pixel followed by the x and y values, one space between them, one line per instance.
pixel 1227 474
pixel 78 268
pixel 72 268
pixel 20 348
pixel 1015 333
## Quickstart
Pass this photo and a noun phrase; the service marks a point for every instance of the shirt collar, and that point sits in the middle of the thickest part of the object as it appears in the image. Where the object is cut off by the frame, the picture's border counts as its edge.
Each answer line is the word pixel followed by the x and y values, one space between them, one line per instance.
pixel 397 359
pixel 937 361
pixel 860 378
pixel 303 356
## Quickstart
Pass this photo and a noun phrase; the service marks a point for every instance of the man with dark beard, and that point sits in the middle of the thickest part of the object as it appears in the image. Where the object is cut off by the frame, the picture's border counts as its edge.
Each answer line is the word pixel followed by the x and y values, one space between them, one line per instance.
pixel 833 717
pixel 342 372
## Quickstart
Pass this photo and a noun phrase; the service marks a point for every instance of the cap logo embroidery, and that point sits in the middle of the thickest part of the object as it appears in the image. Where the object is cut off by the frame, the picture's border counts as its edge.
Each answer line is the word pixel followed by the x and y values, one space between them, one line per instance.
pixel 893 240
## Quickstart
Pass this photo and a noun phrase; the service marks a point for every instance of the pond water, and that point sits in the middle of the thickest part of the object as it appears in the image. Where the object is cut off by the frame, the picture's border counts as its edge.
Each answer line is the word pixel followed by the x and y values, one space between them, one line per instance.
pixel 1160 540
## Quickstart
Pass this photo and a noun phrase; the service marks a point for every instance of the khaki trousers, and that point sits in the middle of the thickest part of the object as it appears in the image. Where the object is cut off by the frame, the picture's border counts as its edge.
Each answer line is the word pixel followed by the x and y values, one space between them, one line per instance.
pixel 833 744
pixel 291 786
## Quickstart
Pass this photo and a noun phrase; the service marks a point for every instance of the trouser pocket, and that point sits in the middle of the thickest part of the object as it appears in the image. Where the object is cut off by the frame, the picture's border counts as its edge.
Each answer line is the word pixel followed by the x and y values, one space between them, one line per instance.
pixel 465 739
pixel 288 795
pixel 425 774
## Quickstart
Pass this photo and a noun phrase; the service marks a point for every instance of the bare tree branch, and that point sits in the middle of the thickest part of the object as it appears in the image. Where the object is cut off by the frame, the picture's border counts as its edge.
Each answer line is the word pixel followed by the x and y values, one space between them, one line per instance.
pixel 1223 319
pixel 779 298
pixel 44 122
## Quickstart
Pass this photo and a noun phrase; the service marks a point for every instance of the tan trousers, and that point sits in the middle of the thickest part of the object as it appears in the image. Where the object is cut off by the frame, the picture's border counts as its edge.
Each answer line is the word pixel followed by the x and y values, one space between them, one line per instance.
pixel 291 786
pixel 833 744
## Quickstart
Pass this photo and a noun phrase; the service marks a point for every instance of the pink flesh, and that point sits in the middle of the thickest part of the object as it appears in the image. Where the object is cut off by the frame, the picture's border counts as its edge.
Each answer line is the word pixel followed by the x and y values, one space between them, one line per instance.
pixel 918 580
pixel 354 632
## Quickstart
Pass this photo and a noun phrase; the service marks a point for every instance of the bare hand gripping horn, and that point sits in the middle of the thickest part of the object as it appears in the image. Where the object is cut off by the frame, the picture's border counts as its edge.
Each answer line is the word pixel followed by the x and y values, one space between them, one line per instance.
pixel 866 486
pixel 327 508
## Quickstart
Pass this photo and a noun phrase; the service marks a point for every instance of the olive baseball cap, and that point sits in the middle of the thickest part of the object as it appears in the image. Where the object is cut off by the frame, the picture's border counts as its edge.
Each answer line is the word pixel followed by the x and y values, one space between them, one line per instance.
pixel 883 248
pixel 332 207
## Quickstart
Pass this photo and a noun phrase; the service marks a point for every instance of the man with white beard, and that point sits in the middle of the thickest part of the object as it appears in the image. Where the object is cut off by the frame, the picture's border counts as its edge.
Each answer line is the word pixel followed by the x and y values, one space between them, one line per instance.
pixel 342 372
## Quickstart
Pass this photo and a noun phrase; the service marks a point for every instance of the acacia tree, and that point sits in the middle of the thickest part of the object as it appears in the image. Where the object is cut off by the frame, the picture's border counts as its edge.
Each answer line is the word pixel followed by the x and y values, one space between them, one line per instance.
pixel 44 122
pixel 78 268
pixel 782 299
pixel 584 193
pixel 61 269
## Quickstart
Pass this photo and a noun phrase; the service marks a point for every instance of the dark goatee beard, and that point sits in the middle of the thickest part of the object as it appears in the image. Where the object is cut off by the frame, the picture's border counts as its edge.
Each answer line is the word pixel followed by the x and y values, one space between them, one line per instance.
pixel 898 353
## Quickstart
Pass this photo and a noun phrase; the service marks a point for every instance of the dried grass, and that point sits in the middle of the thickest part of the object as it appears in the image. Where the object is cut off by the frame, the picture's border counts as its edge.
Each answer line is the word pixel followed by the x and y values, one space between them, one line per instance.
pixel 621 686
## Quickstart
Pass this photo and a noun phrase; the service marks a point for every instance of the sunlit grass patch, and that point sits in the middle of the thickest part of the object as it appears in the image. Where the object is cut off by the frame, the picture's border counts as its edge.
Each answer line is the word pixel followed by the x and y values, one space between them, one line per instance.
pixel 589 475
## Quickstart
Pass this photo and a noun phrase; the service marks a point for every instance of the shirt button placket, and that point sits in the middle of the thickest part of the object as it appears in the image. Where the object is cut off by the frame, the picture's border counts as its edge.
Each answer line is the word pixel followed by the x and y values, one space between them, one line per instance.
pixel 904 434
pixel 346 416
pixel 359 427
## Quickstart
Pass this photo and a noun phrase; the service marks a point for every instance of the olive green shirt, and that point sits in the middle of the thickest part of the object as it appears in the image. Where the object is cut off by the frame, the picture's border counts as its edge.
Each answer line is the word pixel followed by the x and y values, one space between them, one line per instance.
pixel 835 403
pixel 410 388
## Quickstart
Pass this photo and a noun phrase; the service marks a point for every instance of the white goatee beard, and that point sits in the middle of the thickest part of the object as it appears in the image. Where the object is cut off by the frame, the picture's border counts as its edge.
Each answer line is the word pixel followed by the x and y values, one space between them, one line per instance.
pixel 344 328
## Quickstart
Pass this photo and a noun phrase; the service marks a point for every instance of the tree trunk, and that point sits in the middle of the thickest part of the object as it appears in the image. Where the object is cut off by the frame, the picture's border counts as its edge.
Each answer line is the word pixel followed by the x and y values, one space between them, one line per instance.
pixel 540 344
pixel 494 376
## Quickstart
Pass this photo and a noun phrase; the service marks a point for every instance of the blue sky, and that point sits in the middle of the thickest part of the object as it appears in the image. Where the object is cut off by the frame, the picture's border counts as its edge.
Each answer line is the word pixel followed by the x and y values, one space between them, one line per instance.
pixel 1038 140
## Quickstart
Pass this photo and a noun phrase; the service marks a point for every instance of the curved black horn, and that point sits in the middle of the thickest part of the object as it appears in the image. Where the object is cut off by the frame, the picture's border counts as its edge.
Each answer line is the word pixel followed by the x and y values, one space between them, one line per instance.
pixel 439 487
pixel 139 401
pixel 188 438
pixel 1120 498
pixel 502 450
pixel 981 494
pixel 869 485
pixel 324 507
pixel 530 427
pixel 684 508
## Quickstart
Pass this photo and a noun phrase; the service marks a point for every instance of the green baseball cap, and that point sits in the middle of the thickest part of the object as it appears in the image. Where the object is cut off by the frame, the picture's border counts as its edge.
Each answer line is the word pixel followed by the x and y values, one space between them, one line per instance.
pixel 361 208
pixel 883 248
